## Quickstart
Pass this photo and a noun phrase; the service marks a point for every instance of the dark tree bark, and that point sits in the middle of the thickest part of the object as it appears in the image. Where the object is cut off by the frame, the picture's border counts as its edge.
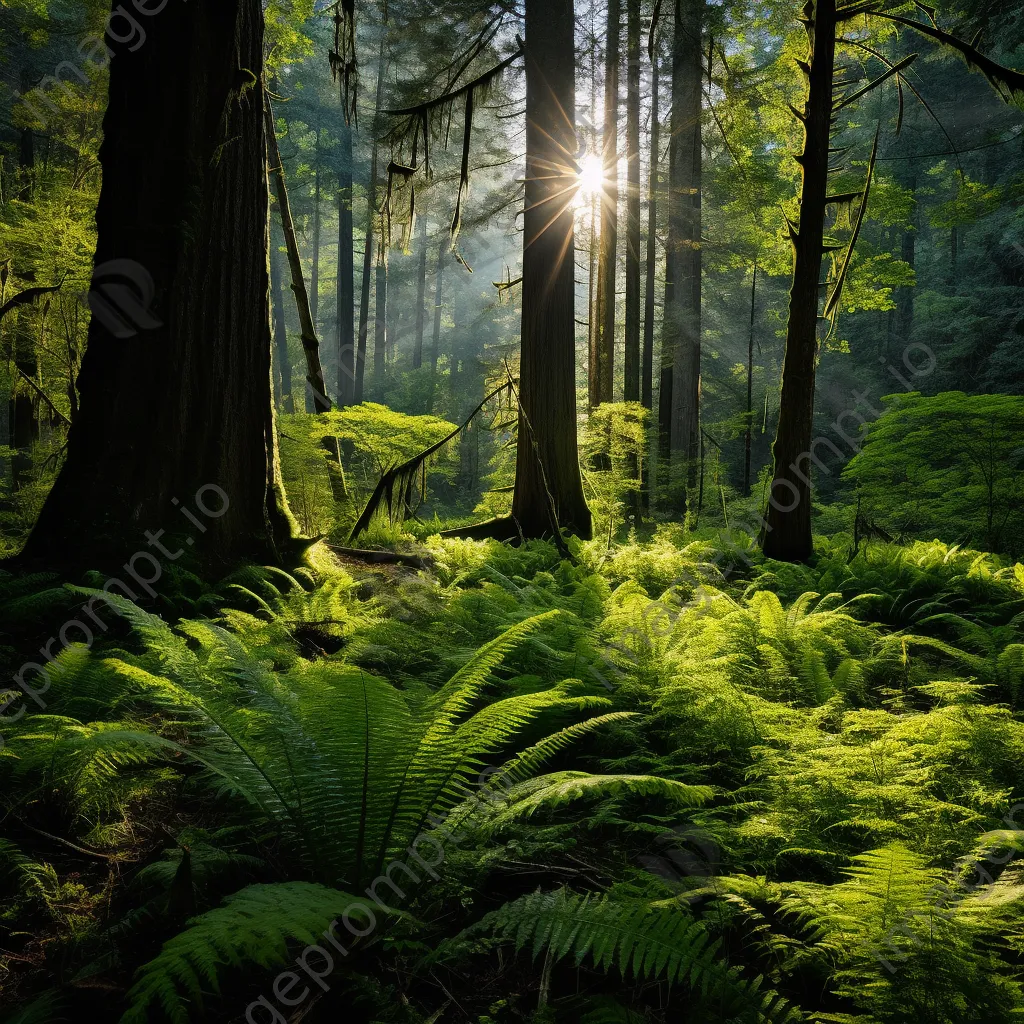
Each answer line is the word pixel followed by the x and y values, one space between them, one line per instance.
pixel 631 341
pixel 607 264
pixel 547 461
pixel 682 326
pixel 421 297
pixel 345 287
pixel 284 364
pixel 307 326
pixel 787 533
pixel 187 407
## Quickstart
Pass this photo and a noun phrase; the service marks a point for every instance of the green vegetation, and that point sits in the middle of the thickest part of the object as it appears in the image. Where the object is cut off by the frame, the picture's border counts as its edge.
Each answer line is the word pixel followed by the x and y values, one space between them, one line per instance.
pixel 794 792
pixel 510 512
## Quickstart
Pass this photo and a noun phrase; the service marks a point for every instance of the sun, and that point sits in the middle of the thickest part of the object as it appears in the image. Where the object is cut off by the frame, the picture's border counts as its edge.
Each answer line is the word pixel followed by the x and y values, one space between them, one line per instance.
pixel 591 178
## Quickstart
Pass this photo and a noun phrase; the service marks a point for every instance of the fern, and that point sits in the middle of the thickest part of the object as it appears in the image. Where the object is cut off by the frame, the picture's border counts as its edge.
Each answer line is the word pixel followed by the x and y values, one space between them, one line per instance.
pixel 638 940
pixel 256 926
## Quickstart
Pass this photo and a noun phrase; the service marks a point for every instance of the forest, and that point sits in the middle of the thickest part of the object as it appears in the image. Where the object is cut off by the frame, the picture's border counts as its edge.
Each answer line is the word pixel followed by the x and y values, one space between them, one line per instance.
pixel 512 511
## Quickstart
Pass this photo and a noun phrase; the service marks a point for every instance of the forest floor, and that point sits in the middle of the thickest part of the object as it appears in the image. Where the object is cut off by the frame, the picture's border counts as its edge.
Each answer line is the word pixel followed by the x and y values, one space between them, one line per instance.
pixel 684 782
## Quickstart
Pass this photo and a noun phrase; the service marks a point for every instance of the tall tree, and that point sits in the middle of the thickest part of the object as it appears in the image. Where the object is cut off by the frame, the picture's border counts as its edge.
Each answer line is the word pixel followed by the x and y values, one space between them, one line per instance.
pixel 651 256
pixel 435 343
pixel 186 414
pixel 283 360
pixel 314 278
pixel 787 531
pixel 345 286
pixel 607 260
pixel 371 213
pixel 316 394
pixel 421 296
pixel 631 340
pixel 380 312
pixel 682 321
pixel 548 482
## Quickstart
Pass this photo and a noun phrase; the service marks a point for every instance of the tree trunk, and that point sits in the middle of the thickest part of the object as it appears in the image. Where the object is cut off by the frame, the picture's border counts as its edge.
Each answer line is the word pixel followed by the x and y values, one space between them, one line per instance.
pixel 26 149
pixel 905 295
pixel 748 433
pixel 683 314
pixel 631 341
pixel 25 402
pixel 314 280
pixel 371 213
pixel 435 345
pixel 547 460
pixel 421 298
pixel 593 333
pixel 176 429
pixel 380 323
pixel 647 371
pixel 284 364
pixel 609 212
pixel 310 343
pixel 346 269
pixel 787 533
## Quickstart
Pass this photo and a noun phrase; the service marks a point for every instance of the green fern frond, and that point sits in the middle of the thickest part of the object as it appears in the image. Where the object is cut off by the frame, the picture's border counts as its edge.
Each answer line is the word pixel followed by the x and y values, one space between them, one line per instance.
pixel 257 926
pixel 552 791
pixel 635 938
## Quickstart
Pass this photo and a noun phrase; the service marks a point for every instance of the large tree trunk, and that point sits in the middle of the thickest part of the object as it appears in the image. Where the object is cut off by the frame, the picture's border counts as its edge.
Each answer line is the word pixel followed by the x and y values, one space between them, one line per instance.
pixel 307 327
pixel 683 313
pixel 180 422
pixel 607 264
pixel 787 533
pixel 547 461
pixel 421 297
pixel 284 364
pixel 631 341
pixel 346 268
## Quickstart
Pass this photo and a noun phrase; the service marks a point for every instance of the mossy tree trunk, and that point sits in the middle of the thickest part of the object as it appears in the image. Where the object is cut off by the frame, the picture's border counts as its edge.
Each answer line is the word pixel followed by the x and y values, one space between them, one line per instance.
pixel 187 405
